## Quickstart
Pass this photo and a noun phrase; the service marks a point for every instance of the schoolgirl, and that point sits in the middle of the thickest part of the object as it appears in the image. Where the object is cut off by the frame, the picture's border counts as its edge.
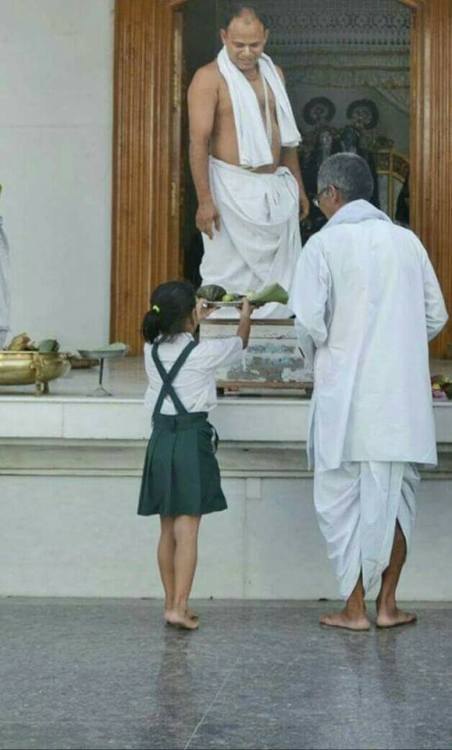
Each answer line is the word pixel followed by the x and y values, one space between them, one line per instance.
pixel 181 478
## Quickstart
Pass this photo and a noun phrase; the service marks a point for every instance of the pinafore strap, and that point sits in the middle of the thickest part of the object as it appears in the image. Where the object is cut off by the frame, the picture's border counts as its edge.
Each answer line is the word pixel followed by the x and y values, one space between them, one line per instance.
pixel 168 378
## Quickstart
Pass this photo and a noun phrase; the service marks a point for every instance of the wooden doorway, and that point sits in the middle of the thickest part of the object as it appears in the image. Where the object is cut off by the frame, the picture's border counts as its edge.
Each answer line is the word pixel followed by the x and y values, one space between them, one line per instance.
pixel 147 158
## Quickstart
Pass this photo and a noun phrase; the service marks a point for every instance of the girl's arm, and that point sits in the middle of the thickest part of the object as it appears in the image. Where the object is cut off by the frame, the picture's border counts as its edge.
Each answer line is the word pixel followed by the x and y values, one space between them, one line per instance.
pixel 203 310
pixel 244 326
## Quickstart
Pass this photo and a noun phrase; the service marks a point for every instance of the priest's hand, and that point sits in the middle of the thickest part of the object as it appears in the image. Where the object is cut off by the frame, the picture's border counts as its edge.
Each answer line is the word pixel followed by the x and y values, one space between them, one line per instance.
pixel 207 217
pixel 304 206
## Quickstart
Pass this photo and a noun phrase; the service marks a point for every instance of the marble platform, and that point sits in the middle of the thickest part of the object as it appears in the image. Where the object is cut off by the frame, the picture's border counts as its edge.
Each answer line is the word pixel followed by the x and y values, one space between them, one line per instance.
pixel 70 469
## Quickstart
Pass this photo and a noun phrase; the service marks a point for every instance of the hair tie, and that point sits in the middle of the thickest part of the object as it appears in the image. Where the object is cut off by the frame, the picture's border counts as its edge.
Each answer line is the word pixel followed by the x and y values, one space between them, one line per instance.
pixel 156 309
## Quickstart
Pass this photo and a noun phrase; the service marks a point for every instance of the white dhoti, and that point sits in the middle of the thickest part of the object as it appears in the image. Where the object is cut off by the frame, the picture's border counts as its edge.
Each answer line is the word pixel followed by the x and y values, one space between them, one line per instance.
pixel 258 242
pixel 358 506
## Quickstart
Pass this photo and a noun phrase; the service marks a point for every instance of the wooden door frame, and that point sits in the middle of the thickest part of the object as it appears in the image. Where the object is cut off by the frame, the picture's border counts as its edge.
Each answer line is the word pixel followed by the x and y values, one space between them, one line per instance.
pixel 146 159
pixel 146 152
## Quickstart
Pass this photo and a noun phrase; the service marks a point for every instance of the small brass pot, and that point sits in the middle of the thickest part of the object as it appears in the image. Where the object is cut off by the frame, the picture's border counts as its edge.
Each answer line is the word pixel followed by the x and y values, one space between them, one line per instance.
pixel 26 368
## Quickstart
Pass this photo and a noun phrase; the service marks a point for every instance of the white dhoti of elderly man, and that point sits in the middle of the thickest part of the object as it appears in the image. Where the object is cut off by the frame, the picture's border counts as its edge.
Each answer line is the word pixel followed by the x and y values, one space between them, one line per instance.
pixel 4 286
pixel 244 163
pixel 367 301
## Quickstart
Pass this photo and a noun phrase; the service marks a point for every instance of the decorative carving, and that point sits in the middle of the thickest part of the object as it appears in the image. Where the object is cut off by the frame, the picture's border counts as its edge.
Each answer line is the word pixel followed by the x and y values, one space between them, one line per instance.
pixel 351 23
pixel 319 111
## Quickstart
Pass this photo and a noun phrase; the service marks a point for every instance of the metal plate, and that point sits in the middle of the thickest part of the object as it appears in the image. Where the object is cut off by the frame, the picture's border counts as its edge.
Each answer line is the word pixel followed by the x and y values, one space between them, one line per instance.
pixel 103 353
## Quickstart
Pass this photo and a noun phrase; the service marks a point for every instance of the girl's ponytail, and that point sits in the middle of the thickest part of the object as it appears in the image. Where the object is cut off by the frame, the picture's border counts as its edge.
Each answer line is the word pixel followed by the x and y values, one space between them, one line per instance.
pixel 151 325
pixel 172 304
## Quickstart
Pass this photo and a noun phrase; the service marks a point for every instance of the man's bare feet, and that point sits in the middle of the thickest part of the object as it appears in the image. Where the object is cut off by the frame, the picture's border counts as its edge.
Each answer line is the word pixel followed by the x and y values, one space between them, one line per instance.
pixel 344 620
pixel 392 618
pixel 181 620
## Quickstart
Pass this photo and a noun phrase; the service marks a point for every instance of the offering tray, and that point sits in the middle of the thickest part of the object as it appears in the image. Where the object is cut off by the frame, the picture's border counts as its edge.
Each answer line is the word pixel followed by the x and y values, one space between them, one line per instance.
pixel 236 303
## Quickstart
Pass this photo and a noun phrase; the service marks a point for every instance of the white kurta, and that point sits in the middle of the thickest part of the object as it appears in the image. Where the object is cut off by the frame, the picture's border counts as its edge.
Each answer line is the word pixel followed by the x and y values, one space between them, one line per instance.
pixel 366 294
pixel 4 286
pixel 258 242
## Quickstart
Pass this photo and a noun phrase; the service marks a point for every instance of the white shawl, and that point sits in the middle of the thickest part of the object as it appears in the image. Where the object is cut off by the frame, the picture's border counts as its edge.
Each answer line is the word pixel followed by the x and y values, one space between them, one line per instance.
pixel 254 148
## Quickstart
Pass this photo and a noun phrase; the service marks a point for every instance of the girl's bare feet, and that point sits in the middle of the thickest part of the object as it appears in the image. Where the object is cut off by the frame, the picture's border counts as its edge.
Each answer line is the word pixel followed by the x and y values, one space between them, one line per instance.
pixel 344 620
pixel 180 619
pixel 189 612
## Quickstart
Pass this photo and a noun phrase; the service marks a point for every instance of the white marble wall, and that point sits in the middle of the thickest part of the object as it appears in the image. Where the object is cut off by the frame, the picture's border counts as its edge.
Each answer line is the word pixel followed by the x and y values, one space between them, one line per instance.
pixel 55 167
pixel 79 536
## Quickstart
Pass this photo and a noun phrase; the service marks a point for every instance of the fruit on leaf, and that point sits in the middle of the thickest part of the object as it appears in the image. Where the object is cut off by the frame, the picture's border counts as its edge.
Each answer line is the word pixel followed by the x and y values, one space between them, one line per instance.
pixel 211 292
pixel 272 293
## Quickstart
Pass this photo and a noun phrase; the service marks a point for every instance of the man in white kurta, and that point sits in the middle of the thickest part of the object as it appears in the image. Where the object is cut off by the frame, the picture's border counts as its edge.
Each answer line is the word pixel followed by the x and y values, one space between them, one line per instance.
pixel 367 298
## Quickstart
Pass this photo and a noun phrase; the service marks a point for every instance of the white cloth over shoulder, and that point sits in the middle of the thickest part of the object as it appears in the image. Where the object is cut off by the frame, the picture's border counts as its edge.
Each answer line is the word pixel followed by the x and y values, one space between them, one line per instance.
pixel 367 295
pixel 5 299
pixel 357 507
pixel 253 145
pixel 259 241
pixel 195 383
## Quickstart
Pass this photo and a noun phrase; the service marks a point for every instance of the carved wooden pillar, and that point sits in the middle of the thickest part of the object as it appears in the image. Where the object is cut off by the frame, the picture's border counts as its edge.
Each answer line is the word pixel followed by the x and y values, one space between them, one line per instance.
pixel 431 141
pixel 145 231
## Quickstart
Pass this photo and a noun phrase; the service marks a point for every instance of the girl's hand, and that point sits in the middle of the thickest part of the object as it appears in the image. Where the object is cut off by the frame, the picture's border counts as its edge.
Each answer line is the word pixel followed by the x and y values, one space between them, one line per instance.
pixel 246 308
pixel 203 309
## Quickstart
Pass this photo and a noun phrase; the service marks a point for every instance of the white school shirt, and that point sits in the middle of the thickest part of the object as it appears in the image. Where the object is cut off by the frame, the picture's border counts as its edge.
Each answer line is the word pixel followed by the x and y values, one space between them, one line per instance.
pixel 195 383
pixel 366 293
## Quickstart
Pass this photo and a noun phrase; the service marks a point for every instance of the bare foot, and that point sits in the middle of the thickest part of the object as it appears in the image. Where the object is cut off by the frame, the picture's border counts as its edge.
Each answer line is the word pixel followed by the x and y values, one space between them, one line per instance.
pixel 343 620
pixel 394 617
pixel 189 612
pixel 180 620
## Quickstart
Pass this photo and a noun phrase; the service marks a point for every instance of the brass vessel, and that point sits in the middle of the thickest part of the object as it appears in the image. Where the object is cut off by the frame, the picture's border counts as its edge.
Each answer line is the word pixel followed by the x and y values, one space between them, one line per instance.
pixel 32 367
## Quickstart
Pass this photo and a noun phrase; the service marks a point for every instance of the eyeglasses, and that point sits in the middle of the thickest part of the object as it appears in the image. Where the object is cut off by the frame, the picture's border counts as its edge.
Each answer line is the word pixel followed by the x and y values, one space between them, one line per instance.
pixel 316 198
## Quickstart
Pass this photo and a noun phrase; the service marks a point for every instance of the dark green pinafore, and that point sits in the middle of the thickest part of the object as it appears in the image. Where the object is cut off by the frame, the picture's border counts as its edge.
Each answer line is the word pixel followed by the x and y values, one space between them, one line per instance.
pixel 181 474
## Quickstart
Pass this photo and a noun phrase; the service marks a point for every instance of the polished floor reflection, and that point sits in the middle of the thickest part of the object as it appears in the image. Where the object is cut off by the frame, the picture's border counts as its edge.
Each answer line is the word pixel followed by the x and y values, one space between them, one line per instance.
pixel 101 674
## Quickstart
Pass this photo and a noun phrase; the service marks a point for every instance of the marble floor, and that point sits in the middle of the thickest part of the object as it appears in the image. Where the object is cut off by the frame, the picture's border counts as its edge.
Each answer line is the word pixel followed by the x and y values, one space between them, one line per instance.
pixel 80 673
